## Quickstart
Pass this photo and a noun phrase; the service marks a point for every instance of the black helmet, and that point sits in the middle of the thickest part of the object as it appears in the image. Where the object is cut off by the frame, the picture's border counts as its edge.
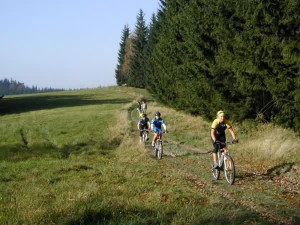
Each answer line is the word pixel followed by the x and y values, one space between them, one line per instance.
pixel 157 114
pixel 144 115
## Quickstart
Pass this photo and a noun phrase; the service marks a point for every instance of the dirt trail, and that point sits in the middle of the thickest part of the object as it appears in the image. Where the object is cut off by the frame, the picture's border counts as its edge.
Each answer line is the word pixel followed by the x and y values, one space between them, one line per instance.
pixel 196 168
pixel 258 193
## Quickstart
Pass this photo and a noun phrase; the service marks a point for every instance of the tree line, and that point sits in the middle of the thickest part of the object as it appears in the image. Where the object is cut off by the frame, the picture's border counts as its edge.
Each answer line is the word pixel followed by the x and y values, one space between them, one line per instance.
pixel 13 87
pixel 202 56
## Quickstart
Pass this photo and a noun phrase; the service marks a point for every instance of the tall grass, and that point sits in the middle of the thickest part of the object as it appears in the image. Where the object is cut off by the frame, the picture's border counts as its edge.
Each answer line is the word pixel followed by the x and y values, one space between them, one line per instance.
pixel 266 145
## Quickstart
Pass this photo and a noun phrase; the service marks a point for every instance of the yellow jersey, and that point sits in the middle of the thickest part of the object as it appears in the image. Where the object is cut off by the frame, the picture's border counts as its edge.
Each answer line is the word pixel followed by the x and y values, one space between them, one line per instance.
pixel 220 127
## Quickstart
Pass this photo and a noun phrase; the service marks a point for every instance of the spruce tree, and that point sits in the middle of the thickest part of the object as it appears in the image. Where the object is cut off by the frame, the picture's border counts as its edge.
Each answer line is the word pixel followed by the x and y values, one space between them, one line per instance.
pixel 239 56
pixel 121 73
pixel 136 76
pixel 152 40
pixel 155 29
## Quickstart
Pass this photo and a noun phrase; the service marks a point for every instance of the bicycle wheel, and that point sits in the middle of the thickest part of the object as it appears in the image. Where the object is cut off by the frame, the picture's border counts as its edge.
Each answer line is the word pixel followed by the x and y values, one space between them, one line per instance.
pixel 144 136
pixel 229 169
pixel 215 172
pixel 154 150
pixel 159 151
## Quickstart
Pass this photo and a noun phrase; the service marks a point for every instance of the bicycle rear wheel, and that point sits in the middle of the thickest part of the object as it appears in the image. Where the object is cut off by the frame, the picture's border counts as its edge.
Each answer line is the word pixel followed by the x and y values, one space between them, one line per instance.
pixel 229 169
pixel 215 172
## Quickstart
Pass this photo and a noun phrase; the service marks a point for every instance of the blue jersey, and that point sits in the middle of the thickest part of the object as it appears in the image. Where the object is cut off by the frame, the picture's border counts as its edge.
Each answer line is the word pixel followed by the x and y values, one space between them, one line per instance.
pixel 157 123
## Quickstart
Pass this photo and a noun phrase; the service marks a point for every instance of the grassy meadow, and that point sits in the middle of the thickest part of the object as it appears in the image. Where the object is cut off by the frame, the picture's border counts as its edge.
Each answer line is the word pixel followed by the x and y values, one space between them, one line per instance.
pixel 74 158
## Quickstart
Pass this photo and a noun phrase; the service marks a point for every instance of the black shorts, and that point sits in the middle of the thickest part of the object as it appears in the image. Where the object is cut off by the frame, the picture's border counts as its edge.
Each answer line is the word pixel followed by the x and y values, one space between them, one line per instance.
pixel 216 146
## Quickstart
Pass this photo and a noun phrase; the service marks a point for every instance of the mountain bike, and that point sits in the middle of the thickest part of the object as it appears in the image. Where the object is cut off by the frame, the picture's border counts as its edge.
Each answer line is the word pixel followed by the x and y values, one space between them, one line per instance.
pixel 144 135
pixel 225 163
pixel 158 148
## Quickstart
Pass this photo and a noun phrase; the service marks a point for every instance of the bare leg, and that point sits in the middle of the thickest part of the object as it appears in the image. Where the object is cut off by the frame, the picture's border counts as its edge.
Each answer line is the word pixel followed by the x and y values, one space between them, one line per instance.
pixel 140 135
pixel 154 138
pixel 215 158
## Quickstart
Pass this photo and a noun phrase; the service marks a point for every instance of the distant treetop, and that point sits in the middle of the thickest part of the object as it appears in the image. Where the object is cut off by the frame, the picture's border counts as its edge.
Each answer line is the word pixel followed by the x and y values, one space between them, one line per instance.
pixel 13 87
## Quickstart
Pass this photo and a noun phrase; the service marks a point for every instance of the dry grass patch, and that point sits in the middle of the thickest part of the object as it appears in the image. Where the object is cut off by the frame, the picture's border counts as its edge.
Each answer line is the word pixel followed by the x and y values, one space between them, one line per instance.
pixel 268 146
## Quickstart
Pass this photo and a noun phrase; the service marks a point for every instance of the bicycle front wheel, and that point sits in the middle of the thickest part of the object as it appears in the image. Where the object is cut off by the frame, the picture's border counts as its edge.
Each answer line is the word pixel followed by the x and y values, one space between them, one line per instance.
pixel 159 151
pixel 215 172
pixel 154 151
pixel 144 137
pixel 229 169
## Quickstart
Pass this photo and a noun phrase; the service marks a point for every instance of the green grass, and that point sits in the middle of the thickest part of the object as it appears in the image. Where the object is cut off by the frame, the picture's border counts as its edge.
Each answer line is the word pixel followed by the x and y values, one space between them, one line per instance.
pixel 74 158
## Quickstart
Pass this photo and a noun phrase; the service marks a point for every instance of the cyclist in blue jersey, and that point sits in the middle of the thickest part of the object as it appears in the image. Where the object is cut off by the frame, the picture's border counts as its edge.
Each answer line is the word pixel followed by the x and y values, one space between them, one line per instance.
pixel 156 124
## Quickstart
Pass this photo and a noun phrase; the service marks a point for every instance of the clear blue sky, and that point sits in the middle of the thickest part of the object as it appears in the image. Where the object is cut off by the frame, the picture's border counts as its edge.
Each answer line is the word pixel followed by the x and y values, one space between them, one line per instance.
pixel 65 43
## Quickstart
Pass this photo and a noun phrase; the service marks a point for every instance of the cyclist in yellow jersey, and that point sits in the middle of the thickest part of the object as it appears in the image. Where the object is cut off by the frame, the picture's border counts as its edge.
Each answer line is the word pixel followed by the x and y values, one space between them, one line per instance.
pixel 140 114
pixel 218 127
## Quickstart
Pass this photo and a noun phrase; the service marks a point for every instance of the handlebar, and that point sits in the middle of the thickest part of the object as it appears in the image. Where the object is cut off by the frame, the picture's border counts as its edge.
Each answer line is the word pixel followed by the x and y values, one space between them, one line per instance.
pixel 164 132
pixel 228 142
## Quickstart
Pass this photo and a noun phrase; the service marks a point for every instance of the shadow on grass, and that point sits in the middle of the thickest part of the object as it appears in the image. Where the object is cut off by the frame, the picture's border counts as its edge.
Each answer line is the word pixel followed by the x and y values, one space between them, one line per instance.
pixel 135 215
pixel 39 102
pixel 19 152
pixel 281 168
pixel 269 175
pixel 119 216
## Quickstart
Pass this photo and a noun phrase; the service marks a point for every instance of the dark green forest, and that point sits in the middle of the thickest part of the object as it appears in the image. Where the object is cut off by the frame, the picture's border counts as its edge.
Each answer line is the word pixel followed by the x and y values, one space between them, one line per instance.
pixel 13 87
pixel 202 56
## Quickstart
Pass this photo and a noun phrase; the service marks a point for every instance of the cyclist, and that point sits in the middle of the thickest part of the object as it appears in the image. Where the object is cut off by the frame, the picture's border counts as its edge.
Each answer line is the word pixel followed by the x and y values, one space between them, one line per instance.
pixel 156 124
pixel 144 106
pixel 139 105
pixel 140 114
pixel 139 109
pixel 218 127
pixel 144 123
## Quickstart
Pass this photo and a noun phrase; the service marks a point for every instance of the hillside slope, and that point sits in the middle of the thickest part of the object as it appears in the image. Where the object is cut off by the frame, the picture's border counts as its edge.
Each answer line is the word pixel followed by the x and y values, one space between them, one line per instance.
pixel 74 158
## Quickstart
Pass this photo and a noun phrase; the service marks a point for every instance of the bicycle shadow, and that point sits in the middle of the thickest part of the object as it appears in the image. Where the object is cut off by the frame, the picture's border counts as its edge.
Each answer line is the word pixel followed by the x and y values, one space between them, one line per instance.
pixel 268 175
pixel 183 152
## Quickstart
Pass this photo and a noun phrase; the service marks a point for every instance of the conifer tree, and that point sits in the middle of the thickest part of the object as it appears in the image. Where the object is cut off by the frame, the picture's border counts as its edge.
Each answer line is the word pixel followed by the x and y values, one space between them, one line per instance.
pixel 152 40
pixel 136 76
pixel 155 28
pixel 121 73
pixel 239 56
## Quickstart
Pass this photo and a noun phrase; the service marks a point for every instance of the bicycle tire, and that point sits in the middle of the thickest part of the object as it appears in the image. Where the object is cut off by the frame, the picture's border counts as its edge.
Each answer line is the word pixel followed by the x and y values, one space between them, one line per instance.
pixel 215 172
pixel 159 151
pixel 144 137
pixel 154 151
pixel 229 169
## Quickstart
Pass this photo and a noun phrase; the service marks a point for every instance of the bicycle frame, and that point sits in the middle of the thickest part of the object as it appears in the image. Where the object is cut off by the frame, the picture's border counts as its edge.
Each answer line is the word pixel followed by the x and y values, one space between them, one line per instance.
pixel 221 153
pixel 221 157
